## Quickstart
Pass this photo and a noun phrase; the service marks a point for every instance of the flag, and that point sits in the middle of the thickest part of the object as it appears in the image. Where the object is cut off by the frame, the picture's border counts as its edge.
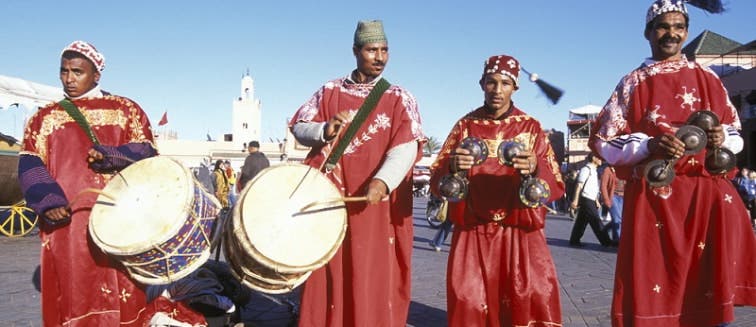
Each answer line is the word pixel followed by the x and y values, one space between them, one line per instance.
pixel 163 120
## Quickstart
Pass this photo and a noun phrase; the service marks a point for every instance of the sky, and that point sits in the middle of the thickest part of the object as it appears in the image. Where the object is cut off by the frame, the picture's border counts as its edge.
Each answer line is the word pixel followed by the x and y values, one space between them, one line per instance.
pixel 187 58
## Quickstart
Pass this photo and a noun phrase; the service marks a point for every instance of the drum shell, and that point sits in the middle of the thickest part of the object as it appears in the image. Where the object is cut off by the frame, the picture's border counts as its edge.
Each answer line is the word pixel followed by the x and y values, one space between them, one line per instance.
pixel 253 261
pixel 180 249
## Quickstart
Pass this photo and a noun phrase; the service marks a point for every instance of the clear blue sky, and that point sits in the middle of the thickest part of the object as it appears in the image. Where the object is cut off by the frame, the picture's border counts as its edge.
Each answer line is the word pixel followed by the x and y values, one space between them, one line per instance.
pixel 188 57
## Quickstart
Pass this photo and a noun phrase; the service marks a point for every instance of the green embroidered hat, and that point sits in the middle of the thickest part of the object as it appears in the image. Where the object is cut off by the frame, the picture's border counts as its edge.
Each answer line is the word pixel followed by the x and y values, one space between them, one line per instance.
pixel 369 31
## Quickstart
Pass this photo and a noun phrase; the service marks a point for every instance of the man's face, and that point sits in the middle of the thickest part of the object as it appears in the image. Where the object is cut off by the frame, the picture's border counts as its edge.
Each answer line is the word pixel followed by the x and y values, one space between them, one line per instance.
pixel 371 59
pixel 78 76
pixel 498 89
pixel 667 35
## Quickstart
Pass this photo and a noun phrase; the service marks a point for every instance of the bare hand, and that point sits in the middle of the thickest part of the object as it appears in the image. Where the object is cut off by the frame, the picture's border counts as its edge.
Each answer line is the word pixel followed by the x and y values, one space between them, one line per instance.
pixel 334 124
pixel 461 160
pixel 715 137
pixel 58 213
pixel 94 155
pixel 667 146
pixel 376 191
pixel 526 162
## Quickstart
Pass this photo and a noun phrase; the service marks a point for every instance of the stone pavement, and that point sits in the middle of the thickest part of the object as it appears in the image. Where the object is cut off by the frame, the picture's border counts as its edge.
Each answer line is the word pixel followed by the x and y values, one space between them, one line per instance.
pixel 585 275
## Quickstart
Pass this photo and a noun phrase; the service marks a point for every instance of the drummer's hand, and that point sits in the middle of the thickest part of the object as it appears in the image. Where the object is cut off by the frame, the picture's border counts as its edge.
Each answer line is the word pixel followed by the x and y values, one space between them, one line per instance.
pixel 334 124
pixel 667 146
pixel 94 155
pixel 376 191
pixel 58 213
pixel 526 162
pixel 461 159
pixel 715 137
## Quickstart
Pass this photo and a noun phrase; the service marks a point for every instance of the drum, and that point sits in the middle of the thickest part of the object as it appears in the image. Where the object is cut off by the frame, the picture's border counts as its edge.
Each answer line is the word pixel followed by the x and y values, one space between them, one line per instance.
pixel 156 220
pixel 271 244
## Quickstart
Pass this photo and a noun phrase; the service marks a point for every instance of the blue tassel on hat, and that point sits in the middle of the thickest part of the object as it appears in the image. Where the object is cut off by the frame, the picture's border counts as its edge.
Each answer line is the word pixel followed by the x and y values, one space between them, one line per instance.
pixel 712 6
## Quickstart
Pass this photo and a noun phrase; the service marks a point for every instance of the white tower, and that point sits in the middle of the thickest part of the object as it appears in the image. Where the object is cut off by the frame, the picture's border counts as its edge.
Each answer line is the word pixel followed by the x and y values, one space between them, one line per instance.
pixel 246 116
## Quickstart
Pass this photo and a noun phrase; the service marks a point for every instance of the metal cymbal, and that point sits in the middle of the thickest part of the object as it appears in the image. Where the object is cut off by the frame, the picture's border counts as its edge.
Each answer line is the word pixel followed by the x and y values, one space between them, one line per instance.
pixel 508 150
pixel 659 172
pixel 694 138
pixel 478 149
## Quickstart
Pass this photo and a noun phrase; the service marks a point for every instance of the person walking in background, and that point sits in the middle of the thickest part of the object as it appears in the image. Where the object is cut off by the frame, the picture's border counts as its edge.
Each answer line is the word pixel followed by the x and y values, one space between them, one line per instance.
pixel 367 282
pixel 686 255
pixel 231 177
pixel 71 146
pixel 500 271
pixel 220 183
pixel 444 229
pixel 586 201
pixel 612 197
pixel 255 162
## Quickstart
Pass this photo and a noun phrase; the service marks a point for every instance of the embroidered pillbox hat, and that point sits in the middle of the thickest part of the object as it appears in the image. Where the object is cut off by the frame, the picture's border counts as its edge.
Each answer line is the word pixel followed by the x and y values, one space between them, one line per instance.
pixel 369 32
pixel 660 7
pixel 88 51
pixel 503 64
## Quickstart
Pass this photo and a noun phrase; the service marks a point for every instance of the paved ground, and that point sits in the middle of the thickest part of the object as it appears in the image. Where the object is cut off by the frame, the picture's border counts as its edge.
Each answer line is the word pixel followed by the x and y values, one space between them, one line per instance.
pixel 585 276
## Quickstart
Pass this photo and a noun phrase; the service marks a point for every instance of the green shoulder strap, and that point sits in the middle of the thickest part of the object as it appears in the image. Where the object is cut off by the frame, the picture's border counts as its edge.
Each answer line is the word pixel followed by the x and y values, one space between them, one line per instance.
pixel 79 118
pixel 367 107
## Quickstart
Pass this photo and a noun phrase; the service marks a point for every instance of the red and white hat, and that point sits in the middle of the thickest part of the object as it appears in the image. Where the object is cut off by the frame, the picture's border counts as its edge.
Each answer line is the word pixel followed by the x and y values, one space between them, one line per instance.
pixel 660 7
pixel 88 51
pixel 503 64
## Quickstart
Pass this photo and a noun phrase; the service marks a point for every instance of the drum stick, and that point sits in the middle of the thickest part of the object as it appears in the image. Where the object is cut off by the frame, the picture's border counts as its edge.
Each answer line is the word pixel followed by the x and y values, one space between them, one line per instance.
pixel 344 199
pixel 77 197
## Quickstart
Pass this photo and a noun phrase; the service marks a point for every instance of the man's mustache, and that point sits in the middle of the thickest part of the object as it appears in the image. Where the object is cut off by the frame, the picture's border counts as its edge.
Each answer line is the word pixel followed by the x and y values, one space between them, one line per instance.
pixel 670 38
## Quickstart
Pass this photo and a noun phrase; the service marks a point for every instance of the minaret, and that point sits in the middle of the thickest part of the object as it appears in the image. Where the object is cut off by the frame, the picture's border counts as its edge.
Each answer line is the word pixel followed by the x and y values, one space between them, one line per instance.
pixel 246 116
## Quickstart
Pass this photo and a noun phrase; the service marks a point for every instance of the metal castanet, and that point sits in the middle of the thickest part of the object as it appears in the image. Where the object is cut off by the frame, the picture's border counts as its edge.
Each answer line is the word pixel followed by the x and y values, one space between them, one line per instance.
pixel 454 186
pixel 659 172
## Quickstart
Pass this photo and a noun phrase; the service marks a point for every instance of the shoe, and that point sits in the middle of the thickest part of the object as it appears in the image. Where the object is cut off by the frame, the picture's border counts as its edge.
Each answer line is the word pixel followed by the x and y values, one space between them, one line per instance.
pixel 576 244
pixel 437 248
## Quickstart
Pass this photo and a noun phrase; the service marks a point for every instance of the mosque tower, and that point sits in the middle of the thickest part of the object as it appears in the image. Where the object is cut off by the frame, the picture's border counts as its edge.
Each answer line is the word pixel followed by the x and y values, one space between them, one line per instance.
pixel 246 116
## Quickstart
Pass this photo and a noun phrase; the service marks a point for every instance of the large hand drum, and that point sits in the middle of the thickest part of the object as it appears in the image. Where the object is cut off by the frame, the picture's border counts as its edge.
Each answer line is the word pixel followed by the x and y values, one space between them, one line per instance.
pixel 272 245
pixel 156 220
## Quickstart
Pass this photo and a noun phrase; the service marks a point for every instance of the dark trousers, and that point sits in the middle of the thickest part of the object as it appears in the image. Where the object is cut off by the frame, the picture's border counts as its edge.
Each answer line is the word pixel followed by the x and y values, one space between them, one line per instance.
pixel 588 214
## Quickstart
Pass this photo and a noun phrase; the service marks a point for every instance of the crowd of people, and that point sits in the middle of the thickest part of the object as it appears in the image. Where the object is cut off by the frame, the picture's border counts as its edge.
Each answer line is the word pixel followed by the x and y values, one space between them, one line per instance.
pixel 685 255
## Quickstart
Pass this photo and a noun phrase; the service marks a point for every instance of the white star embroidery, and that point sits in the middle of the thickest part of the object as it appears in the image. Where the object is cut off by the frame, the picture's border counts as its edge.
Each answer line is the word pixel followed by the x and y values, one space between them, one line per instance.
pixel 104 289
pixel 701 245
pixel 692 161
pixel 659 225
pixel 512 63
pixel 688 98
pixel 653 115
pixel 657 288
pixel 125 295
pixel 728 198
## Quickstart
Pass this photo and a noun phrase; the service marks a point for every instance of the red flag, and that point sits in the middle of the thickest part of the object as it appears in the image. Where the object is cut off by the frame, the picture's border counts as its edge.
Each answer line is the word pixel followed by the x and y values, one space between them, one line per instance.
pixel 163 120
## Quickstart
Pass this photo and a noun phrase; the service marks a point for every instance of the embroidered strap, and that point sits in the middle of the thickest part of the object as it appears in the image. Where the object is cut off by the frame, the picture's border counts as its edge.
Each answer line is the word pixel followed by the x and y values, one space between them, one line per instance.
pixel 367 107
pixel 79 118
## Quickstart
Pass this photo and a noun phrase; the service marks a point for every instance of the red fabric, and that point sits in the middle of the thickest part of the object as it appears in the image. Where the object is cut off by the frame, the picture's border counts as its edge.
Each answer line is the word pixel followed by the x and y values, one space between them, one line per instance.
pixel 177 311
pixel 500 271
pixel 608 185
pixel 686 255
pixel 79 285
pixel 367 283
pixel 164 119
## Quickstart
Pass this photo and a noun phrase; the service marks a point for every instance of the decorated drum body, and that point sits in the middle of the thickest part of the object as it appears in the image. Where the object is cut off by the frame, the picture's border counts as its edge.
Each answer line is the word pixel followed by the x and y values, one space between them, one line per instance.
pixel 156 220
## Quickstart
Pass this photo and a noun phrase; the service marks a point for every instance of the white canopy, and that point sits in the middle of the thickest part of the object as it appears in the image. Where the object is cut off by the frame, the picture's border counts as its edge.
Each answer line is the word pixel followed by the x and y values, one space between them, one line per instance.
pixel 19 99
pixel 16 91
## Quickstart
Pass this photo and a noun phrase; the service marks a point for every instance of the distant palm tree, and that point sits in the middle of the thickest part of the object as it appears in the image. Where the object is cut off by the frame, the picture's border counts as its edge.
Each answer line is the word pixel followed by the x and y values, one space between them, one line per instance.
pixel 432 146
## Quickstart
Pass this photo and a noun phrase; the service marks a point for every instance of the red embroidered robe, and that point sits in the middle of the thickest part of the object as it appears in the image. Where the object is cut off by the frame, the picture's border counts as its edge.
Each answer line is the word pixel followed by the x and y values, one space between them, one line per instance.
pixel 367 283
pixel 79 285
pixel 500 271
pixel 686 254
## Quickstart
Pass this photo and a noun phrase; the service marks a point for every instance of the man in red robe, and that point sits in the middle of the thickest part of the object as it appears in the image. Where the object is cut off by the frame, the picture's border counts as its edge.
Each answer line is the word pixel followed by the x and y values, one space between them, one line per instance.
pixel 686 255
pixel 60 159
pixel 500 271
pixel 367 283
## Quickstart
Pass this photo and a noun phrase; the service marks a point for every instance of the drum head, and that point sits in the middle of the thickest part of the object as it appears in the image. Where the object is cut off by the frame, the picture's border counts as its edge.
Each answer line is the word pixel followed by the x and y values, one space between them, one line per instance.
pixel 152 198
pixel 278 233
